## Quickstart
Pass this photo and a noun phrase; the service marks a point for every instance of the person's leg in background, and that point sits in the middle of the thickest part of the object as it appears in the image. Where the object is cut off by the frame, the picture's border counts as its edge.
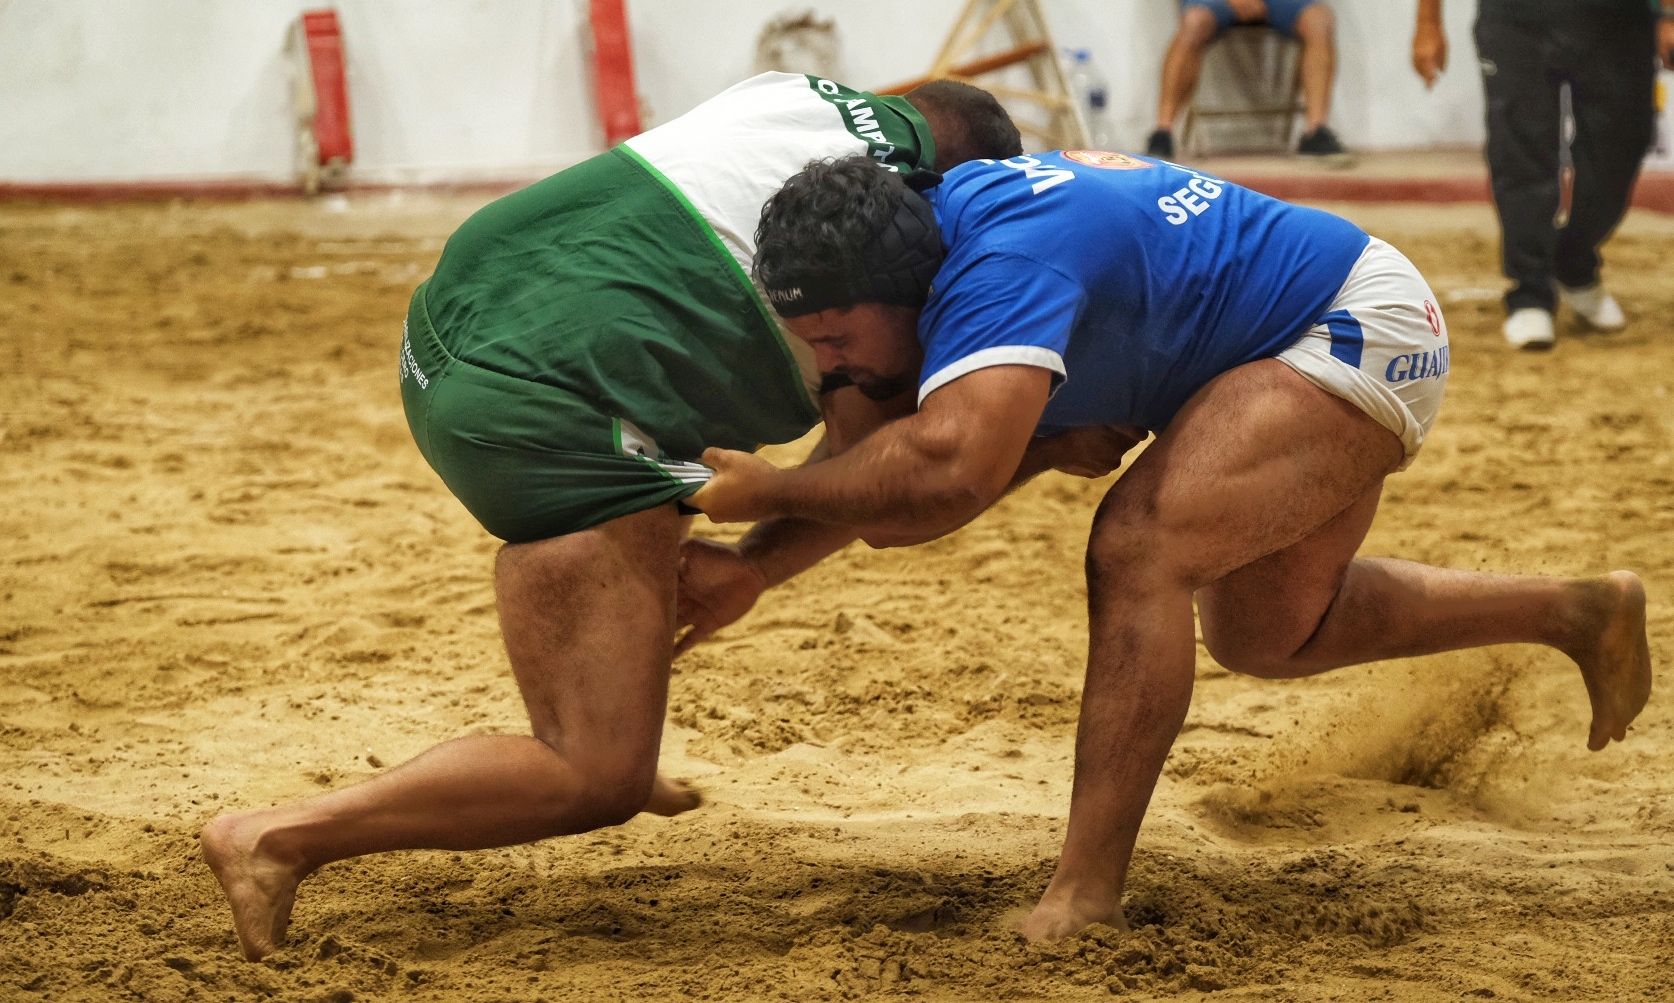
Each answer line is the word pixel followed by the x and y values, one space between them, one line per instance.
pixel 1201 21
pixel 1315 26
pixel 1609 59
pixel 1523 137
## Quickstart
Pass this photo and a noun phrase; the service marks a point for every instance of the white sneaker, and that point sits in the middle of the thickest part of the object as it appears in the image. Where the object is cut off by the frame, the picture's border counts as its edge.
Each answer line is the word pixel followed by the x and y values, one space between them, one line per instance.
pixel 1595 306
pixel 1529 328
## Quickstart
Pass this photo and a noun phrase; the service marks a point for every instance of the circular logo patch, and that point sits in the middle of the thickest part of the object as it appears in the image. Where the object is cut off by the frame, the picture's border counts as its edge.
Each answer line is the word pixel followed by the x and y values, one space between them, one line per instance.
pixel 1107 160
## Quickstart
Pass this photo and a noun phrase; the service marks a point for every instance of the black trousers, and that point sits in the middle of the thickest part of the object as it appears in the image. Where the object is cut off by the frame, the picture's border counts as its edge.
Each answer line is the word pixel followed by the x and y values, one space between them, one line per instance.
pixel 1607 57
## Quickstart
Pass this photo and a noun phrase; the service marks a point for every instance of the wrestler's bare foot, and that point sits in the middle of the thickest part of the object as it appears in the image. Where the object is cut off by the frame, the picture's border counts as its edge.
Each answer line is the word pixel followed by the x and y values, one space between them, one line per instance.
pixel 260 888
pixel 1060 916
pixel 671 797
pixel 1611 648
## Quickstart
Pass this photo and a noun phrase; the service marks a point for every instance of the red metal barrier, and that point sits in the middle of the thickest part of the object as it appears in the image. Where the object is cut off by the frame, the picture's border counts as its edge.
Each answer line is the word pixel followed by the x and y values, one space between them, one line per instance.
pixel 324 40
pixel 613 72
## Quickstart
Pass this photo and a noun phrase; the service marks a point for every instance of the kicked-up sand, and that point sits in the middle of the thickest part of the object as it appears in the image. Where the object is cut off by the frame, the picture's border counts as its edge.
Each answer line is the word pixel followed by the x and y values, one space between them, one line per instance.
pixel 227 579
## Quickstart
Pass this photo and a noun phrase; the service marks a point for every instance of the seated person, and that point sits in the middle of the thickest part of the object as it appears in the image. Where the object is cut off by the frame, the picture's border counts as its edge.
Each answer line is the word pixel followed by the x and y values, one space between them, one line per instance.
pixel 1202 21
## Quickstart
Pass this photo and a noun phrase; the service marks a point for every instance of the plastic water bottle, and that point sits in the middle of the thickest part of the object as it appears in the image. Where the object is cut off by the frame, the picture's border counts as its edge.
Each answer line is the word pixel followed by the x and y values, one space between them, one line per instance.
pixel 1092 93
pixel 1662 143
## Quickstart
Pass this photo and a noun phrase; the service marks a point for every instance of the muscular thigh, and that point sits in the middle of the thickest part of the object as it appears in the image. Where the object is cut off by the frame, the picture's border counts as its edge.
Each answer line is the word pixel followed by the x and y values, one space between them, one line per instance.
pixel 588 621
pixel 1256 461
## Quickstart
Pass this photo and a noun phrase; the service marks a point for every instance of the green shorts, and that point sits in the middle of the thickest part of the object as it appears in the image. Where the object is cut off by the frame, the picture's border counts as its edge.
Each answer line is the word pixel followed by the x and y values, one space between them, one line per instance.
pixel 579 345
pixel 528 460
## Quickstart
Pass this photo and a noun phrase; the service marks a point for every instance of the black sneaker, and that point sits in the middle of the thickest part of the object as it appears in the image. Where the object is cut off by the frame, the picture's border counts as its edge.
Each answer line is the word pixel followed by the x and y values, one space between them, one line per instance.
pixel 1161 144
pixel 1322 142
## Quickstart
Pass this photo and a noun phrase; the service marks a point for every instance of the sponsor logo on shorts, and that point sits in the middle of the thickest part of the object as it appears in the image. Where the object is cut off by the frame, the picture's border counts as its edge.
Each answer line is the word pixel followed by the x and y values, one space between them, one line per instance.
pixel 1417 366
pixel 632 442
pixel 409 363
pixel 1433 315
pixel 1106 160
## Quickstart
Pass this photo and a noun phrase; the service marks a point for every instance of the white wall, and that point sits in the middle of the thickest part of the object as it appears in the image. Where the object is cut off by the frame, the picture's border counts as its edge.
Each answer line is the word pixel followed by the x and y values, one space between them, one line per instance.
pixel 135 90
pixel 167 89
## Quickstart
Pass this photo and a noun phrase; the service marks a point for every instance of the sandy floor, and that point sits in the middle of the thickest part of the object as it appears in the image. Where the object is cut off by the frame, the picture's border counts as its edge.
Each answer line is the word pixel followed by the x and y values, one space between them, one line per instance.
pixel 226 578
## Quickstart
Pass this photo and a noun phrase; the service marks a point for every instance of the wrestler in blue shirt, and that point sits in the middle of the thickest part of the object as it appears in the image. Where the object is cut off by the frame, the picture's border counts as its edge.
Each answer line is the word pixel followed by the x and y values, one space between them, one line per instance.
pixel 1288 363
pixel 1182 278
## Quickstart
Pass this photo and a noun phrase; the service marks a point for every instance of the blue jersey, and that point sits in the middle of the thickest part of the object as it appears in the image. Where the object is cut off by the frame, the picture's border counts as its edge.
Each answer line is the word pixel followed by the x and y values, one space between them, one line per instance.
pixel 1136 280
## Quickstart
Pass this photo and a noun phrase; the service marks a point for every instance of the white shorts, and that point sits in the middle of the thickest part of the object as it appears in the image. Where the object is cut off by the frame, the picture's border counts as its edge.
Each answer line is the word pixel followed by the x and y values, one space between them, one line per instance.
pixel 1381 346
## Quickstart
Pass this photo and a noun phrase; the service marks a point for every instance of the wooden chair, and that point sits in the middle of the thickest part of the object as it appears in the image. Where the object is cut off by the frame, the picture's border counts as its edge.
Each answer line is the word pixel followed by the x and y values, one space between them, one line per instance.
pixel 1249 95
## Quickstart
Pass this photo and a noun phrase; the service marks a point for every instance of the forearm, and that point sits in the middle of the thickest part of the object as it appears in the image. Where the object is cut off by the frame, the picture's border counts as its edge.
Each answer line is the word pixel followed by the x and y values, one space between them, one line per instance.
pixel 783 548
pixel 1037 459
pixel 917 477
pixel 1035 462
pixel 1041 455
pixel 902 484
pixel 1430 14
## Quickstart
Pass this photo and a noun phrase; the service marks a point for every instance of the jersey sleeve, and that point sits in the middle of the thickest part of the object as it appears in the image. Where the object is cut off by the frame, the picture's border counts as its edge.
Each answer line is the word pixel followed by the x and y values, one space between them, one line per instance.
pixel 1000 310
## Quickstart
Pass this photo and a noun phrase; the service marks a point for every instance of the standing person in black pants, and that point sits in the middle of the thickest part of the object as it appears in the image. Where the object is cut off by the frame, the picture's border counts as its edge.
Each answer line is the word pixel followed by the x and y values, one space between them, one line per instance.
pixel 1605 50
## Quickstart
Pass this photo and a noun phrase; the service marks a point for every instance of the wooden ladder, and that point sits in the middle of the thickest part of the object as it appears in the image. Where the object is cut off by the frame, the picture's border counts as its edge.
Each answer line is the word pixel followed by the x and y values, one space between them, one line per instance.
pixel 992 36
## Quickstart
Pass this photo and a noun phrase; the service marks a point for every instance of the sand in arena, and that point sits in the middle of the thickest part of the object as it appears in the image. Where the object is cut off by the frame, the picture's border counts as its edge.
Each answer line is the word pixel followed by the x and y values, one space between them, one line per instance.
pixel 228 579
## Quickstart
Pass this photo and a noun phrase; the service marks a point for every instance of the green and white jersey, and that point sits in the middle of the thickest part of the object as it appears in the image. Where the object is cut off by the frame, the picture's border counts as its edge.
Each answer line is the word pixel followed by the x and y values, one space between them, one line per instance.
pixel 623 282
pixel 727 156
pixel 584 339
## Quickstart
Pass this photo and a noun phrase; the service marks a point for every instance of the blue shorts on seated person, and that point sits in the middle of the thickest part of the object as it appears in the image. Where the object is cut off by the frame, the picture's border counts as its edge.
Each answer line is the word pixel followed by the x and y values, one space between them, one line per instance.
pixel 1281 14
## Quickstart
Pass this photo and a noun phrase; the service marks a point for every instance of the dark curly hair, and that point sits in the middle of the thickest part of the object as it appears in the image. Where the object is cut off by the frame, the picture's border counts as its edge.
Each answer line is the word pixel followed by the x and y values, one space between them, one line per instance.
pixel 842 232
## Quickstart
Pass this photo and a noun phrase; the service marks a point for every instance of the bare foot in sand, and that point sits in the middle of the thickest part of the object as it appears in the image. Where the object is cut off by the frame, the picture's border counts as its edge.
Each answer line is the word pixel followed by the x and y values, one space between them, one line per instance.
pixel 1611 648
pixel 260 888
pixel 1057 917
pixel 671 797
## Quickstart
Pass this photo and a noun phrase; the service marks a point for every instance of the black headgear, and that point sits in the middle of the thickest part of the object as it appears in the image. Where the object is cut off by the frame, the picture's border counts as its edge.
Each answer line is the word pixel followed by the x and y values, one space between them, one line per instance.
pixel 896 266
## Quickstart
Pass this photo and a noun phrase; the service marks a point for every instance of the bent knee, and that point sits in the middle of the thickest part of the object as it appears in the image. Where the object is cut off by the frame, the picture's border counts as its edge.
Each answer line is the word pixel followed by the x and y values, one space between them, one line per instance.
pixel 605 782
pixel 1133 543
pixel 1249 660
pixel 1315 24
pixel 613 793
pixel 1198 27
pixel 1267 651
